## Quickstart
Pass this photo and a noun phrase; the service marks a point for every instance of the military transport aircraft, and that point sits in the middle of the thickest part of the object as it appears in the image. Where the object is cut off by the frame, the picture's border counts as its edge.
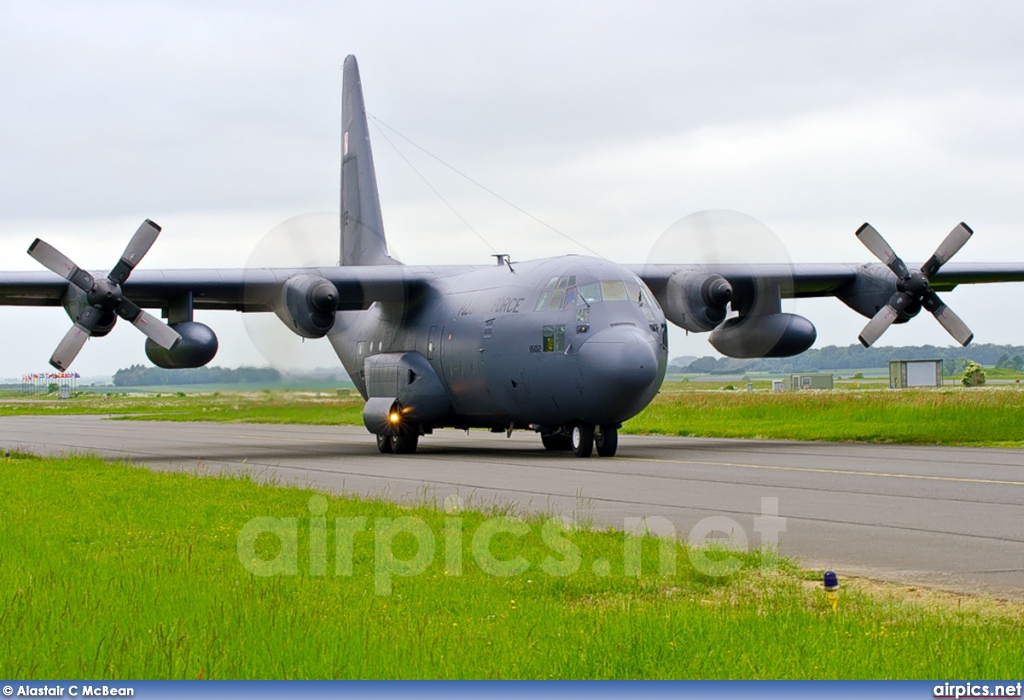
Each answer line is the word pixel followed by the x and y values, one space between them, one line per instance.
pixel 568 347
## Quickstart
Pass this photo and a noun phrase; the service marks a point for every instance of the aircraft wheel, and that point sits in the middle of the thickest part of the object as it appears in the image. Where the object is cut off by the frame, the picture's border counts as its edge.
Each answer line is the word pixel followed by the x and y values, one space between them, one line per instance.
pixel 556 443
pixel 582 439
pixel 384 444
pixel 607 441
pixel 404 443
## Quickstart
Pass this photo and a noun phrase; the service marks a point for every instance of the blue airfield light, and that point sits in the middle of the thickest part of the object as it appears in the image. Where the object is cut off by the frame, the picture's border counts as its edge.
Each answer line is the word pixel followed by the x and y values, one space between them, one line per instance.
pixel 831 582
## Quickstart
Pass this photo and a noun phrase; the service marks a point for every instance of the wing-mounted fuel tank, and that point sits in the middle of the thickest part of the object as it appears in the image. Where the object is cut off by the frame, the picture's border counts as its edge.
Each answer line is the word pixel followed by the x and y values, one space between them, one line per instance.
pixel 197 347
pixel 697 301
pixel 768 335
pixel 403 391
pixel 761 329
pixel 307 304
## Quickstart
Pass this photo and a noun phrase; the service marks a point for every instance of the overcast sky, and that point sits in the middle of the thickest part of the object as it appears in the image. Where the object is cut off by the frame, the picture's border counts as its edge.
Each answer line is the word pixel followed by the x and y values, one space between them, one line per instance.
pixel 609 121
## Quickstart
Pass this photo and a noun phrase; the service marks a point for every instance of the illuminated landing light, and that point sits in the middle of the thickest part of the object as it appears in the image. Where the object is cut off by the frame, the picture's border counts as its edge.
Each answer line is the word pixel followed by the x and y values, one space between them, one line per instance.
pixel 394 417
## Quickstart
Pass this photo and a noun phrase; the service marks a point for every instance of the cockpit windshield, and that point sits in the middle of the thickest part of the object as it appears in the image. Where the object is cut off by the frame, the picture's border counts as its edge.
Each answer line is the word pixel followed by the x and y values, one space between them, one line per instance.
pixel 563 293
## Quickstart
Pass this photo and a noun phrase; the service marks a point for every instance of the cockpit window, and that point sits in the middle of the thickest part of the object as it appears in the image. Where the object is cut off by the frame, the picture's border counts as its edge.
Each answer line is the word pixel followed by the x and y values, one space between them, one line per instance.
pixel 562 293
pixel 591 292
pixel 614 291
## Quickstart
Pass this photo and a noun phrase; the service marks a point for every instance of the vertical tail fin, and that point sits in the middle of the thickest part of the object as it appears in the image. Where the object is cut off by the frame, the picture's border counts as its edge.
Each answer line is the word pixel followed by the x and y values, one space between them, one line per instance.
pixel 362 227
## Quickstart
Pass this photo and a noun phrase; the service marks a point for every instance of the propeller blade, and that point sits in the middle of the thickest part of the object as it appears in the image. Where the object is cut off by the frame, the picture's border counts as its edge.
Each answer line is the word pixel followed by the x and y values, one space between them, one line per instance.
pixel 137 248
pixel 154 329
pixel 885 317
pixel 69 347
pixel 874 242
pixel 55 261
pixel 879 323
pixel 949 320
pixel 948 248
pixel 72 343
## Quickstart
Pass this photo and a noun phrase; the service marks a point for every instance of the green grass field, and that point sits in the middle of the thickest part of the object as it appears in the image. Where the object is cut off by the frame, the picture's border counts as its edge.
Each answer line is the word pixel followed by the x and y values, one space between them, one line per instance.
pixel 114 572
pixel 992 417
pixel 989 416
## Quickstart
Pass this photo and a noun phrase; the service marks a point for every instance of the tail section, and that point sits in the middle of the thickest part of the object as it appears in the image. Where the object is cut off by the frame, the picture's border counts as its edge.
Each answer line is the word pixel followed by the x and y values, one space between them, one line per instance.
pixel 362 227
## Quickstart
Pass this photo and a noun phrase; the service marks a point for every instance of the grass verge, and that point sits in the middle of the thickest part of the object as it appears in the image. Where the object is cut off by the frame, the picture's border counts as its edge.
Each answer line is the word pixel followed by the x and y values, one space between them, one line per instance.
pixel 114 572
pixel 979 417
pixel 971 417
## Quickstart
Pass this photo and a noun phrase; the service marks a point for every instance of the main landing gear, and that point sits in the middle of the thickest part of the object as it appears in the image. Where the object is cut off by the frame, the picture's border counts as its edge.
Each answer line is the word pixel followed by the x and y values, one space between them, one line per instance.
pixel 403 444
pixel 583 437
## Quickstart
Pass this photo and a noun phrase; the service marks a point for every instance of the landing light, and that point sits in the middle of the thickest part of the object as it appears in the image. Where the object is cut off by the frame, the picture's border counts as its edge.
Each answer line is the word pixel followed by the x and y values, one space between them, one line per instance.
pixel 394 417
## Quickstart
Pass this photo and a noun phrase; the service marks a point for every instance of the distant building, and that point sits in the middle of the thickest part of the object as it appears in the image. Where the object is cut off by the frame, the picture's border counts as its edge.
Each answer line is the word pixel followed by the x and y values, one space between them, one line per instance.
pixel 809 380
pixel 905 374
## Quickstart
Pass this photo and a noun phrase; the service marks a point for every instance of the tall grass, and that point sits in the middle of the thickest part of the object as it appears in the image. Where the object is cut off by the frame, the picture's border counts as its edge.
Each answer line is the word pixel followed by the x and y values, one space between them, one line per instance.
pixel 108 571
pixel 952 416
pixel 977 417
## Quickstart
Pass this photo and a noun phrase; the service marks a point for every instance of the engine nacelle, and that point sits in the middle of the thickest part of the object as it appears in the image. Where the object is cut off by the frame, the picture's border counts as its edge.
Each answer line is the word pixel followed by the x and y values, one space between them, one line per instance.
pixel 75 300
pixel 197 347
pixel 771 335
pixel 871 290
pixel 307 304
pixel 697 301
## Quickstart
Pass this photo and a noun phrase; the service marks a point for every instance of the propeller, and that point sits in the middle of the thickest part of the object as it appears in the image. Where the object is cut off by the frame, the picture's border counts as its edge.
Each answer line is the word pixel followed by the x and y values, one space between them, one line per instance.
pixel 104 295
pixel 913 289
pixel 720 238
pixel 306 240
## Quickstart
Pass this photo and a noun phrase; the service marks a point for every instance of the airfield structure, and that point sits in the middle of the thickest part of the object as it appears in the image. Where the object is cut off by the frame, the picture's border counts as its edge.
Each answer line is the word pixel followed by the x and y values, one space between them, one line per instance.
pixel 905 374
pixel 809 380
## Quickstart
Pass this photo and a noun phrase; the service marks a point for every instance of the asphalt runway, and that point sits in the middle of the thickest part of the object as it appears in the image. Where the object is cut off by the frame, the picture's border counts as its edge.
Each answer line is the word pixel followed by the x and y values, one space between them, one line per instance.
pixel 949 518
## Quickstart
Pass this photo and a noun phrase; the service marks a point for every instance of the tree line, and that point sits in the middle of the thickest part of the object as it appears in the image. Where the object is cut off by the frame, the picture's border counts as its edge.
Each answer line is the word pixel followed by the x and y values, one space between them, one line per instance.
pixel 834 357
pixel 141 375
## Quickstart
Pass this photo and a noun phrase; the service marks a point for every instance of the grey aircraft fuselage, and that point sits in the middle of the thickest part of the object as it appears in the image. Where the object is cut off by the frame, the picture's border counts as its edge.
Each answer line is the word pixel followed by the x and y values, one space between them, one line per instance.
pixel 521 346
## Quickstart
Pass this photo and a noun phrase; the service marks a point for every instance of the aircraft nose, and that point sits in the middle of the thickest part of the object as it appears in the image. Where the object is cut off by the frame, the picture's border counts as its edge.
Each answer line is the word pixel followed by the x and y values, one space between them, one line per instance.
pixel 619 369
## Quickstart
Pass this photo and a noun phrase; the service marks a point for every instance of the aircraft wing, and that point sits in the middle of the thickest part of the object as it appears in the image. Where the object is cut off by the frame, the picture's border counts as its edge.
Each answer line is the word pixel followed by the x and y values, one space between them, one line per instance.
pixel 306 299
pixel 830 279
pixel 700 297
pixel 233 289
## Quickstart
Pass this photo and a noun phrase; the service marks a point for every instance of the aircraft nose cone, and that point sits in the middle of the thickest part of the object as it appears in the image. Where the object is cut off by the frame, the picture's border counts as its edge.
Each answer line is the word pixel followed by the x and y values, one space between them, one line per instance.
pixel 619 369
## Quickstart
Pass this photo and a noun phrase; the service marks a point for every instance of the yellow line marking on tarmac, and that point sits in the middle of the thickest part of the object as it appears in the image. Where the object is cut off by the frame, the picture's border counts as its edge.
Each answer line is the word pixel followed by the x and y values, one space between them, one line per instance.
pixel 819 470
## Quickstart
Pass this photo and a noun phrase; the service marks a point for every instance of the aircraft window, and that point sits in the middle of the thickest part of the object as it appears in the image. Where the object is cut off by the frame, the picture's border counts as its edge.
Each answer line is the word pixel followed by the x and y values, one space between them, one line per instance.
pixel 590 292
pixel 557 299
pixel 633 291
pixel 542 303
pixel 614 291
pixel 583 314
pixel 648 314
pixel 567 281
pixel 554 338
pixel 570 298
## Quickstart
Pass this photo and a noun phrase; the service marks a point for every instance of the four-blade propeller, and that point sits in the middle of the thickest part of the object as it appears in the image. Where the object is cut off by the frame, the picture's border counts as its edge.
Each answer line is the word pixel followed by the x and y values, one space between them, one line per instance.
pixel 912 290
pixel 104 295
